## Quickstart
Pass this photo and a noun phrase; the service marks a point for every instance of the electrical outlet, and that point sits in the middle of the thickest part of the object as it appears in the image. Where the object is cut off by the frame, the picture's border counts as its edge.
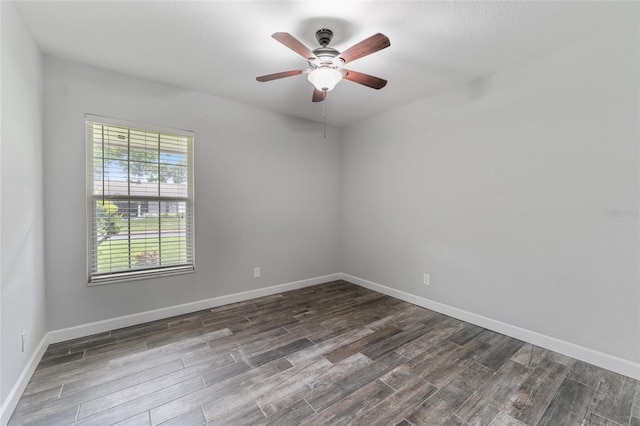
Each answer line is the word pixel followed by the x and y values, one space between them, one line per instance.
pixel 426 280
pixel 256 272
pixel 23 339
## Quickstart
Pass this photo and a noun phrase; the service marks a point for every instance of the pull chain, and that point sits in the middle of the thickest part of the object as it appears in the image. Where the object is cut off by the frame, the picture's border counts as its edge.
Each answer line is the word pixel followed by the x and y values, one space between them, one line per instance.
pixel 324 120
pixel 324 114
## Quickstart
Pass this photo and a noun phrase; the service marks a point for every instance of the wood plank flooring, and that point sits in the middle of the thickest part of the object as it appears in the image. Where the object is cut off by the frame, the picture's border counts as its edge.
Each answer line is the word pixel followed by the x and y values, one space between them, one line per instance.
pixel 329 354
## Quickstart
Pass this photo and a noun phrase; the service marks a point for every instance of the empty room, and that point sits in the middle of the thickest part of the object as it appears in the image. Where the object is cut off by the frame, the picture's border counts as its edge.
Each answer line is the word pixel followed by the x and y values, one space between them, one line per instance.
pixel 320 213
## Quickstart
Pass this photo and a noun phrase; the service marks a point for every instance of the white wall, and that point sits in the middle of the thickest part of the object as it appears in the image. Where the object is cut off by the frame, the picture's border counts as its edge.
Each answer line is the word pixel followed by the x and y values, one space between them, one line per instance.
pixel 500 191
pixel 266 193
pixel 22 306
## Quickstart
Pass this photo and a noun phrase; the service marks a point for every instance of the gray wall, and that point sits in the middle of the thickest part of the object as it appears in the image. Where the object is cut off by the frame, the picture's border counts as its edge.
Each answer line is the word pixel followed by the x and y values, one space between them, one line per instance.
pixel 266 193
pixel 21 211
pixel 504 190
pixel 517 193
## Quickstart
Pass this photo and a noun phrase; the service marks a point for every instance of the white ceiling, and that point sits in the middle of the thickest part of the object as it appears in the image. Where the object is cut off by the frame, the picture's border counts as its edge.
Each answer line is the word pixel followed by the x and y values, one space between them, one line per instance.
pixel 219 47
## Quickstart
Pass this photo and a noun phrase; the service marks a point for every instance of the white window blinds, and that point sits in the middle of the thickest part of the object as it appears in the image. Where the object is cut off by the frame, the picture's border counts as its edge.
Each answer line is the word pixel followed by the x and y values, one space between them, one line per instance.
pixel 140 200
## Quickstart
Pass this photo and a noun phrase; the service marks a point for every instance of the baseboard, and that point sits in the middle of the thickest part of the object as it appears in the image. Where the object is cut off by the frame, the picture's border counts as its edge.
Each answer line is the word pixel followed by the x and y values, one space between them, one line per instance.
pixel 11 401
pixel 606 361
pixel 156 314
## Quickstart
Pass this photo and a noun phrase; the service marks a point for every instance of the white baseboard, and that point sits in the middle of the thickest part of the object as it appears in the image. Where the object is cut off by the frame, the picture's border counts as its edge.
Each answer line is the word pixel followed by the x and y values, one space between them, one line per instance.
pixel 170 311
pixel 606 361
pixel 11 401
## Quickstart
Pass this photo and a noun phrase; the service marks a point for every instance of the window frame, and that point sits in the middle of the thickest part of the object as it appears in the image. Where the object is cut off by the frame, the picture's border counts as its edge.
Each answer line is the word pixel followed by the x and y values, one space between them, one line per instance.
pixel 93 277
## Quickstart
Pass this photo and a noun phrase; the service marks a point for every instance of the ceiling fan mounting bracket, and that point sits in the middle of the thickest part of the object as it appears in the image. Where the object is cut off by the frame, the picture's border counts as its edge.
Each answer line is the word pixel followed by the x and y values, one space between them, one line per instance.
pixel 324 36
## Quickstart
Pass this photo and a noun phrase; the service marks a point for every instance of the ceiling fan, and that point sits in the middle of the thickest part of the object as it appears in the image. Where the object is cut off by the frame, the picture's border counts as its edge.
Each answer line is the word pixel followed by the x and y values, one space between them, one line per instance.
pixel 327 63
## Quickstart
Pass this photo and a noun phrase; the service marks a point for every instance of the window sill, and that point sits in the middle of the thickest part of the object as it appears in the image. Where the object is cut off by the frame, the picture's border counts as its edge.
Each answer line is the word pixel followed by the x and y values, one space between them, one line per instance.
pixel 139 275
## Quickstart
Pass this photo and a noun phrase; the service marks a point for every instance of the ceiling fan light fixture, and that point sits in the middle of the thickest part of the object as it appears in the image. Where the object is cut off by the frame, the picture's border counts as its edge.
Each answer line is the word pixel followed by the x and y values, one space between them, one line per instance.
pixel 324 78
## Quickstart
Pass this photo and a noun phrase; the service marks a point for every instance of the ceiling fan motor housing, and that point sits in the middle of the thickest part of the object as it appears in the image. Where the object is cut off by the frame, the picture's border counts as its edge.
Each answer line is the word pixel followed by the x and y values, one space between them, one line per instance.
pixel 327 56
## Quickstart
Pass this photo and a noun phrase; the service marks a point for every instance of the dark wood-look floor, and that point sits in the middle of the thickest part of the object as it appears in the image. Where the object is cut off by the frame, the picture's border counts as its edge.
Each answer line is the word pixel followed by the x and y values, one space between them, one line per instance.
pixel 329 354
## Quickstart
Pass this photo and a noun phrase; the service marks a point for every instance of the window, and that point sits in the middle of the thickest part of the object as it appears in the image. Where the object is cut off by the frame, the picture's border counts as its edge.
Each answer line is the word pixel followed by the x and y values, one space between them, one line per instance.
pixel 140 200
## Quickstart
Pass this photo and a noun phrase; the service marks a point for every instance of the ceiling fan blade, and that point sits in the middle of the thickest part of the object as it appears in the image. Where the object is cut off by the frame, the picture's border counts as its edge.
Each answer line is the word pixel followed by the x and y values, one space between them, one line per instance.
pixel 278 75
pixel 365 47
pixel 365 79
pixel 294 44
pixel 318 95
